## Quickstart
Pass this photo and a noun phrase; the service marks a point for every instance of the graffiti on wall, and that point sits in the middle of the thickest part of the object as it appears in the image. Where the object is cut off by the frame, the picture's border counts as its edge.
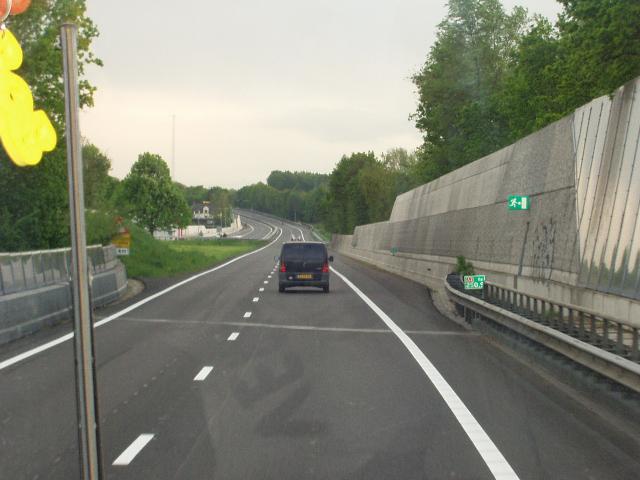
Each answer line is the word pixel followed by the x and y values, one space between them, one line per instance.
pixel 543 243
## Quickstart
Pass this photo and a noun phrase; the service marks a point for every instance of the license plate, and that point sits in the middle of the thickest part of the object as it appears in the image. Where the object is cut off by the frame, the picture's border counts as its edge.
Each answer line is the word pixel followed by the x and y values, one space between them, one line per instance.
pixel 305 276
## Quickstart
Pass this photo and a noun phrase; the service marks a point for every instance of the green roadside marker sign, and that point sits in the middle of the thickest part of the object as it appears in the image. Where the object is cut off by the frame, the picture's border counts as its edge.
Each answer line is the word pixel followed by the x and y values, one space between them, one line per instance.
pixel 394 250
pixel 518 202
pixel 474 282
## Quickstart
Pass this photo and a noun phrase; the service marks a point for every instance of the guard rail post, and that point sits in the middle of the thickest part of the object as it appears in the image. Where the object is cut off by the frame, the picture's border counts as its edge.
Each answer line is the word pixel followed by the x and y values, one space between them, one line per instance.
pixel 560 327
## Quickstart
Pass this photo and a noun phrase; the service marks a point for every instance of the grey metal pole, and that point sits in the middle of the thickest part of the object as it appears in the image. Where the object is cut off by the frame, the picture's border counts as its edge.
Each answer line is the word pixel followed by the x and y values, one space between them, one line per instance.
pixel 88 438
pixel 173 148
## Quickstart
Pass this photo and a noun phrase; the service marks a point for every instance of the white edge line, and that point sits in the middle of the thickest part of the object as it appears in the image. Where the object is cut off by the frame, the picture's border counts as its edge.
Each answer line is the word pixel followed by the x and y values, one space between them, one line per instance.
pixel 271 230
pixel 134 449
pixel 104 321
pixel 233 337
pixel 245 234
pixel 203 373
pixel 494 459
pixel 301 234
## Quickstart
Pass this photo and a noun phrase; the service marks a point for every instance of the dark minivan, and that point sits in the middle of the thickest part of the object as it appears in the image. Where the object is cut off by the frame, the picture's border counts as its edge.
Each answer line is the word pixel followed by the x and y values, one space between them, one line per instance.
pixel 304 264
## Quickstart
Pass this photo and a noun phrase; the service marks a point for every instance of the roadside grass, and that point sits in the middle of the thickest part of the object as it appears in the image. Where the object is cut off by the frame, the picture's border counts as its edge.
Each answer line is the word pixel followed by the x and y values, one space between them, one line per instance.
pixel 157 258
pixel 322 232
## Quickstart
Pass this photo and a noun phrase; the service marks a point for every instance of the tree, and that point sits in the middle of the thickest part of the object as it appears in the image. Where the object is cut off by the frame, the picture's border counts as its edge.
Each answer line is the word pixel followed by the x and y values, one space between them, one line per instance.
pixel 592 50
pixel 528 99
pixel 347 203
pixel 97 183
pixel 33 200
pixel 600 48
pixel 378 193
pixel 153 200
pixel 402 166
pixel 220 199
pixel 304 181
pixel 465 67
pixel 193 194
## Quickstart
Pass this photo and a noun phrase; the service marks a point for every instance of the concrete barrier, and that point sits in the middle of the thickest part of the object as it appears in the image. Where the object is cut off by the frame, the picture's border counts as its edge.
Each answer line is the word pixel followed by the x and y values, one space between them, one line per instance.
pixel 35 288
pixel 580 241
pixel 199 231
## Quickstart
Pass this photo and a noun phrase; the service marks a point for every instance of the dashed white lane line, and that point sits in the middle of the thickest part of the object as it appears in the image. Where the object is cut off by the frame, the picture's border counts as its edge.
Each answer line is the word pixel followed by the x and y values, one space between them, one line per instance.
pixel 41 348
pixel 266 281
pixel 247 314
pixel 268 276
pixel 233 336
pixel 202 374
pixel 255 299
pixel 494 459
pixel 134 449
pixel 261 289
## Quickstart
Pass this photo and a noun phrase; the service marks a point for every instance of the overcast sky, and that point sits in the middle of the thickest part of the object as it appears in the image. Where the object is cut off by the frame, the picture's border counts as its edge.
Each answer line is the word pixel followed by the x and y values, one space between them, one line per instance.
pixel 259 85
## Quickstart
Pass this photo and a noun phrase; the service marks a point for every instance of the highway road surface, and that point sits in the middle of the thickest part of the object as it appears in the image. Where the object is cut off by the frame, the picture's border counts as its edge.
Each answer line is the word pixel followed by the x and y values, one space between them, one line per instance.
pixel 256 227
pixel 222 377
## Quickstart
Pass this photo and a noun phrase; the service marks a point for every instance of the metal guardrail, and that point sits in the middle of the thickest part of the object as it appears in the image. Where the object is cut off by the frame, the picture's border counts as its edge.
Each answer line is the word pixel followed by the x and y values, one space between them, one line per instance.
pixel 586 325
pixel 604 345
pixel 28 270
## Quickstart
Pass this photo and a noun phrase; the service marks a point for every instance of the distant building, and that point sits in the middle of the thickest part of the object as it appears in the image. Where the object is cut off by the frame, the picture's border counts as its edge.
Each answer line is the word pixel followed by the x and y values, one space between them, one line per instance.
pixel 201 213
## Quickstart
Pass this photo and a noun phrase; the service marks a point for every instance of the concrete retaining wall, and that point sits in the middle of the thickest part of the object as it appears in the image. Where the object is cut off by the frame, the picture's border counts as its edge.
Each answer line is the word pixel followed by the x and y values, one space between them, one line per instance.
pixel 199 231
pixel 38 290
pixel 580 241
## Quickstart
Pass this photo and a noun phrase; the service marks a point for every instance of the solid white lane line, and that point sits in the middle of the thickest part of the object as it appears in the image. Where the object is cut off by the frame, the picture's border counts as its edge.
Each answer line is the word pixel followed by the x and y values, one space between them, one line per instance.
pixel 233 336
pixel 134 449
pixel 494 459
pixel 255 299
pixel 247 314
pixel 261 289
pixel 34 351
pixel 271 230
pixel 301 234
pixel 202 374
pixel 245 234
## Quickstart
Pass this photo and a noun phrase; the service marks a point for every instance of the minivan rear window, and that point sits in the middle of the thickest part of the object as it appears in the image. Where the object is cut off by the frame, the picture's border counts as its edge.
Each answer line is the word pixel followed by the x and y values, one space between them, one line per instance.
pixel 304 252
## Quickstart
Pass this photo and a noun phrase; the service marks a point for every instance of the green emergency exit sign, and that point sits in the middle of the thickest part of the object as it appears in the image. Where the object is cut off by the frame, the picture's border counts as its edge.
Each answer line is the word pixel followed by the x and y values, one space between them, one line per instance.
pixel 474 282
pixel 518 202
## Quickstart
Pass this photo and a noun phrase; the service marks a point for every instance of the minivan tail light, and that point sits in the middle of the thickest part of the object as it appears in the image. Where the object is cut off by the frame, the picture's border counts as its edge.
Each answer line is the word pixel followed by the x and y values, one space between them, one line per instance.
pixel 325 267
pixel 283 267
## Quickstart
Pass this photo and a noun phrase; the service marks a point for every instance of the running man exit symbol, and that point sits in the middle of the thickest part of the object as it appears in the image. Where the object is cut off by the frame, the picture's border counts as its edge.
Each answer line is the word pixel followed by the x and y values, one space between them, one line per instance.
pixel 518 202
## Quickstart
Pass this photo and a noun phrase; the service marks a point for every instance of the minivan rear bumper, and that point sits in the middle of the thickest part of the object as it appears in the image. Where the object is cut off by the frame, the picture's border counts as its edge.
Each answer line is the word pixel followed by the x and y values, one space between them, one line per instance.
pixel 289 279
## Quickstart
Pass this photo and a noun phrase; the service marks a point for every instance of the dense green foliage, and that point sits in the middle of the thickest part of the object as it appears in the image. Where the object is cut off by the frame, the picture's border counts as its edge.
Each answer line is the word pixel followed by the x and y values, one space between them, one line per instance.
pixel 361 189
pixel 98 185
pixel 474 50
pixel 493 77
pixel 33 200
pixel 463 266
pixel 304 181
pixel 294 195
pixel 155 258
pixel 150 198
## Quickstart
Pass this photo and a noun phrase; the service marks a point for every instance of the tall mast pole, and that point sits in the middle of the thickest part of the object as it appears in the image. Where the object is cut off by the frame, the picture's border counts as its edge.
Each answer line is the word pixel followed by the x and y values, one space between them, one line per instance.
pixel 173 147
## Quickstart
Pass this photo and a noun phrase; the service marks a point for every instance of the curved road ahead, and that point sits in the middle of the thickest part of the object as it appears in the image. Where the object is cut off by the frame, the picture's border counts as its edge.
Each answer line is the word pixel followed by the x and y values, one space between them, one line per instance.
pixel 225 378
